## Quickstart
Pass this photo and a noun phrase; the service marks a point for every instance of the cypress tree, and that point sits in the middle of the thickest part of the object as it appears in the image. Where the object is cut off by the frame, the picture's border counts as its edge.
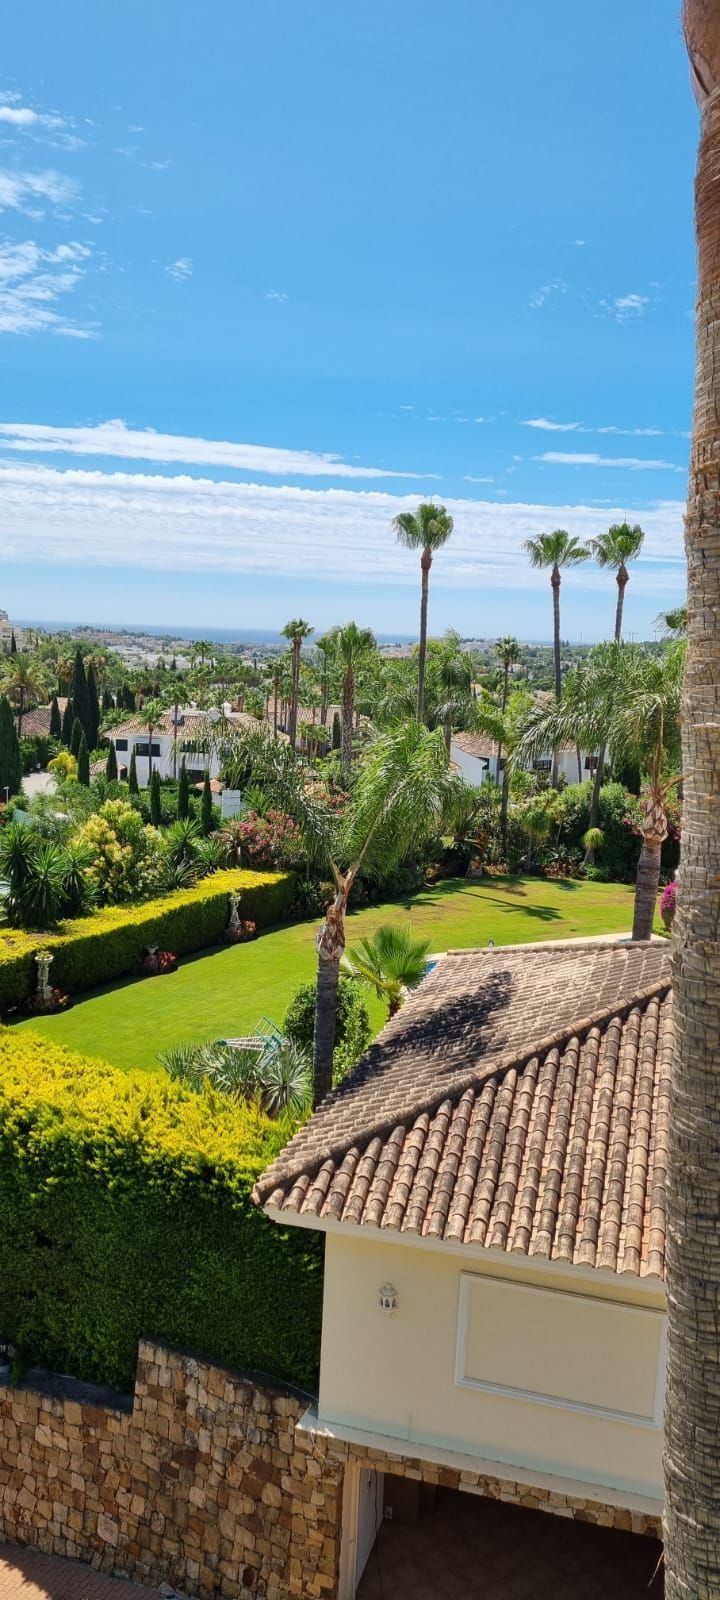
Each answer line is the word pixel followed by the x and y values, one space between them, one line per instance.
pixel 10 759
pixel 336 732
pixel 67 723
pixel 77 735
pixel 108 701
pixel 155 800
pixel 83 760
pixel 206 807
pixel 132 776
pixel 127 698
pixel 55 721
pixel 111 766
pixel 92 727
pixel 79 693
pixel 13 644
pixel 183 792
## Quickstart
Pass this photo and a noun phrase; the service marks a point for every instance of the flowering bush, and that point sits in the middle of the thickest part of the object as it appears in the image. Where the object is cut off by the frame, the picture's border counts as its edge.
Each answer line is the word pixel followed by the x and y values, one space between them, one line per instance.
pixel 667 903
pixel 241 934
pixel 272 840
pixel 127 859
pixel 155 962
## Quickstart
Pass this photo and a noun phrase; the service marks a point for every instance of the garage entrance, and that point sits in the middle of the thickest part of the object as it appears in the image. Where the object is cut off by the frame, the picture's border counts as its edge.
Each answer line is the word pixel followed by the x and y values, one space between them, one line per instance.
pixel 443 1544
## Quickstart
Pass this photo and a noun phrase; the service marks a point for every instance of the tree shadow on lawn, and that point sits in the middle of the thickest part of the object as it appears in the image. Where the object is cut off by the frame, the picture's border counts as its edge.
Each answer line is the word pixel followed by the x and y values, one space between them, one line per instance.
pixel 454 888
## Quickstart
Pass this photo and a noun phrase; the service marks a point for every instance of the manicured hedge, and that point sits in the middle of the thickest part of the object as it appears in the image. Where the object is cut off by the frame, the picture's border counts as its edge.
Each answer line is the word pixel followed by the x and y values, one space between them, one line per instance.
pixel 125 1212
pixel 89 951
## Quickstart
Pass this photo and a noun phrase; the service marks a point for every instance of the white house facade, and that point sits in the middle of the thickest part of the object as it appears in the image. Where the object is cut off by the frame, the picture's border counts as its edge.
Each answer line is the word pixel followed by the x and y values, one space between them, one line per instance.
pixel 476 758
pixel 188 734
pixel 491 1185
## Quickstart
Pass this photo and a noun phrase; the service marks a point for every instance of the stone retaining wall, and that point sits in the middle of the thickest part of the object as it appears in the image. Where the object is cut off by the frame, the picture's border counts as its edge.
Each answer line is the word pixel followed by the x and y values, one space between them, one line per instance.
pixel 205 1483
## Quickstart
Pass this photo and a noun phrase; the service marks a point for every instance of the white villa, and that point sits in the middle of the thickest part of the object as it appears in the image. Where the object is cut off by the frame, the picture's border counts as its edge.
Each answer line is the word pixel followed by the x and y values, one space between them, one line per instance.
pixel 475 756
pixel 189 734
pixel 490 1182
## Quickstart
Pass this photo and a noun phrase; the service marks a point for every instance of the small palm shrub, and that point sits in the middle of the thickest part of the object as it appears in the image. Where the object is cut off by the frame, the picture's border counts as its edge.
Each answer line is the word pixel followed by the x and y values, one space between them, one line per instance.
pixel 391 961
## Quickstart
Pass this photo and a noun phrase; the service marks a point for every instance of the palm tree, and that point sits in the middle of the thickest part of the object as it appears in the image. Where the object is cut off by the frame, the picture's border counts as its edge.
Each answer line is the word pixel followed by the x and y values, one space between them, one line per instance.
pixel 351 646
pixel 325 645
pixel 399 799
pixel 508 650
pixel 674 622
pixel 453 682
pixel 295 631
pixel 692 1411
pixel 150 717
pixel 631 701
pixel 622 543
pixel 201 650
pixel 391 961
pixel 25 680
pixel 556 550
pixel 427 530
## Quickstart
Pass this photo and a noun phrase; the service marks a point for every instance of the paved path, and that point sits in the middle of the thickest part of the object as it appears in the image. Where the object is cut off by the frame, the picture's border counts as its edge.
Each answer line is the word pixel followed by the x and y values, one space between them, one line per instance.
pixel 38 783
pixel 30 1575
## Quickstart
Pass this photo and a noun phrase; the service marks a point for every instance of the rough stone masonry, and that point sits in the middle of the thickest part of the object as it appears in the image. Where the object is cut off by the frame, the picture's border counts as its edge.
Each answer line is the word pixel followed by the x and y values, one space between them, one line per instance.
pixel 204 1482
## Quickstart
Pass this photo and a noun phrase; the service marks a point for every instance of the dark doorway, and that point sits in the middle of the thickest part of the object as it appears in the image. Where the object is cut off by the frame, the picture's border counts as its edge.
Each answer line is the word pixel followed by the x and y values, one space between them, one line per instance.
pixel 446 1545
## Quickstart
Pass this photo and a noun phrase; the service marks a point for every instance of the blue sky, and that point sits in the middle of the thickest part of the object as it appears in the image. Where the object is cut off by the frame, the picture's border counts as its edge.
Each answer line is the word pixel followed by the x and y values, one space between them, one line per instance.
pixel 269 273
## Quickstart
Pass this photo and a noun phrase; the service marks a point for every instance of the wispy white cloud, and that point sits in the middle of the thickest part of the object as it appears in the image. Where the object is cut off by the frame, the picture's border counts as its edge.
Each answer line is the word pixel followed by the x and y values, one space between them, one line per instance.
pixel 469 478
pixel 280 296
pixel 32 192
pixel 546 291
pixel 180 269
pixel 33 281
pixel 625 307
pixel 115 439
pixel 547 426
pixel 41 126
pixel 562 458
pixel 139 521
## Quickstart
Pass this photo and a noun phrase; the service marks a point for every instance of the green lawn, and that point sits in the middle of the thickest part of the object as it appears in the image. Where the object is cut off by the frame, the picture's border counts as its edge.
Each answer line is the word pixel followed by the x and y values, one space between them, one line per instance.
pixel 226 991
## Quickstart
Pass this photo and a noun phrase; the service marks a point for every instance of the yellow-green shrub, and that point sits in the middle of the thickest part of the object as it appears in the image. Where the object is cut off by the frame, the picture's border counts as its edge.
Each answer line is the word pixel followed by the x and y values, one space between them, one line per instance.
pixel 89 951
pixel 125 1211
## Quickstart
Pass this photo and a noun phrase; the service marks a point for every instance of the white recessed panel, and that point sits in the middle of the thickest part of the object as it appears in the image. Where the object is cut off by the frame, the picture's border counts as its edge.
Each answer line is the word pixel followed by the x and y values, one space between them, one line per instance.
pixel 556 1348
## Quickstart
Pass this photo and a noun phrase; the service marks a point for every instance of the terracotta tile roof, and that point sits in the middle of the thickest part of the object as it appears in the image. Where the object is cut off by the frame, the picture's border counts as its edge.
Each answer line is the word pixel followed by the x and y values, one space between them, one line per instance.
pixel 519 1101
pixel 36 724
pixel 193 725
pixel 475 744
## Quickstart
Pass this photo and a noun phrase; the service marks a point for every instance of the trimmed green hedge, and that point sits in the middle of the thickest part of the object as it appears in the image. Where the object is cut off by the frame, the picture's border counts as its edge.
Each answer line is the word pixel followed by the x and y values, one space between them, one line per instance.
pixel 125 1212
pixel 93 950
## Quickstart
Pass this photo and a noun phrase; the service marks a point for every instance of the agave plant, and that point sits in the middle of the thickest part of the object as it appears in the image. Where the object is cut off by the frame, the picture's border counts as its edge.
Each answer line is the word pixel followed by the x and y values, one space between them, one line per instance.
pixel 277 1076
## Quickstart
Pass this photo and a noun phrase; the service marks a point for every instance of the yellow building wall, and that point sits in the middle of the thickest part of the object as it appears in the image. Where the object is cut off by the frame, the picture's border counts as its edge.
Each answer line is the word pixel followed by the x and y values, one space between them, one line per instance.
pixel 557 1373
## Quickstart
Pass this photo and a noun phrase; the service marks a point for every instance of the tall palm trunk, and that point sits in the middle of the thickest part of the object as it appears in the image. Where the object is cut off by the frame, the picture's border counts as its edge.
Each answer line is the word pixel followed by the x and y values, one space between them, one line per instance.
pixel 498 753
pixel 348 702
pixel 21 709
pixel 324 693
pixel 294 693
pixel 276 688
pixel 654 833
pixel 622 579
pixel 692 1412
pixel 555 580
pixel 150 765
pixel 504 804
pixel 330 945
pixel 425 565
